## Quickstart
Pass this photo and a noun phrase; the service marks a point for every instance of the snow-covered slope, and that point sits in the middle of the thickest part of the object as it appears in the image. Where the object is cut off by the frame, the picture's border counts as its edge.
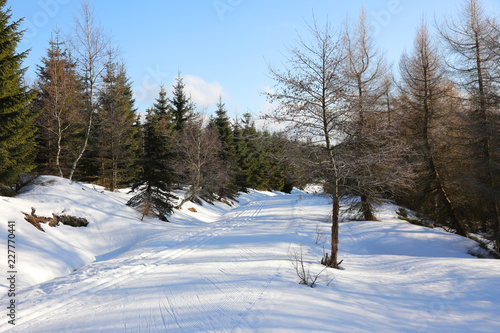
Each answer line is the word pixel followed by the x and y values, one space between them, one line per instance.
pixel 228 269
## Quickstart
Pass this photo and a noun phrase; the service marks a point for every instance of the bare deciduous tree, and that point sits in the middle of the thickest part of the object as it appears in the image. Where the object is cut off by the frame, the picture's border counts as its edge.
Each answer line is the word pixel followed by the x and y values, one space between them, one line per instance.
pixel 199 163
pixel 89 43
pixel 366 72
pixel 311 99
pixel 352 148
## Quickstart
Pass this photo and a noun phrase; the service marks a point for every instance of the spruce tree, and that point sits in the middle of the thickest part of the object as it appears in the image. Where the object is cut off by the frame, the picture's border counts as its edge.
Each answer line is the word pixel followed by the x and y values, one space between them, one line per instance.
pixel 227 152
pixel 17 131
pixel 182 106
pixel 241 149
pixel 162 105
pixel 157 176
pixel 272 163
pixel 252 163
pixel 115 134
pixel 223 125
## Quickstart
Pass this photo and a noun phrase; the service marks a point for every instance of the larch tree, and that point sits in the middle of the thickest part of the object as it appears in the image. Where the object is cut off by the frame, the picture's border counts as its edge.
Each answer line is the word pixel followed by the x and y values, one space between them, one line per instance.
pixel 59 102
pixel 366 72
pixel 423 87
pixel 474 60
pixel 17 129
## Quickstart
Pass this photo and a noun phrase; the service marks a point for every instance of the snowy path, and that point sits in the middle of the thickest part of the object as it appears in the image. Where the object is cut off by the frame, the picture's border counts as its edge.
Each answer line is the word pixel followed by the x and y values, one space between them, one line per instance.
pixel 182 281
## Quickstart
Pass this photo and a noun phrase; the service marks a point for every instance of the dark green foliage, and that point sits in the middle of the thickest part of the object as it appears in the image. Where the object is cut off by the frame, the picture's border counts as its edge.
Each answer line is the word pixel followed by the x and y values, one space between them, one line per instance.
pixel 223 125
pixel 157 176
pixel 274 165
pixel 114 144
pixel 182 106
pixel 258 158
pixel 255 157
pixel 252 162
pixel 17 131
pixel 162 105
pixel 241 149
pixel 227 153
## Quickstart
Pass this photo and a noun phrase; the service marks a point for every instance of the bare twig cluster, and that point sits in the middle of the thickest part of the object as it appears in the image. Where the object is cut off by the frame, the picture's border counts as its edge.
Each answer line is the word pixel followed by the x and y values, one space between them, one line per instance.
pixel 303 269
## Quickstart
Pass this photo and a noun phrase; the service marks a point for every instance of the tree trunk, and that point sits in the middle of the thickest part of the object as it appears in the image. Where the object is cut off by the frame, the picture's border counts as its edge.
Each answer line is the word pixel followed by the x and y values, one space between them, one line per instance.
pixel 366 209
pixel 83 147
pixel 455 222
pixel 335 234
pixel 194 188
pixel 59 137
pixel 332 260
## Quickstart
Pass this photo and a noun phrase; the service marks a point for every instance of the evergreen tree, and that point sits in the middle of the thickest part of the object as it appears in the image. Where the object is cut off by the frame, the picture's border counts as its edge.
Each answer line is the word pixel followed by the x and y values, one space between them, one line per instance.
pixel 227 152
pixel 115 144
pixel 59 103
pixel 162 105
pixel 157 176
pixel 252 162
pixel 223 125
pixel 17 130
pixel 273 164
pixel 182 106
pixel 260 157
pixel 241 147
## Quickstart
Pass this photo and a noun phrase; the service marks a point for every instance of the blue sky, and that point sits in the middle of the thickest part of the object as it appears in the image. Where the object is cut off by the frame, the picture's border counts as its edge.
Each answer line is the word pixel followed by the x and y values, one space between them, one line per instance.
pixel 221 47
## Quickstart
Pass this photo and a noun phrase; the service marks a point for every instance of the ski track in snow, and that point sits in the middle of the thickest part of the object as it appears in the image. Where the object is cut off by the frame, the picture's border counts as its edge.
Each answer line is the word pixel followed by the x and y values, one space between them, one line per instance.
pixel 169 284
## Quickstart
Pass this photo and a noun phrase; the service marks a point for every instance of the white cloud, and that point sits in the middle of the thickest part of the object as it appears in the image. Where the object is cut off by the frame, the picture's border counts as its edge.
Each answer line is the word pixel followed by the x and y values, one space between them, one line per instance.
pixel 266 108
pixel 204 94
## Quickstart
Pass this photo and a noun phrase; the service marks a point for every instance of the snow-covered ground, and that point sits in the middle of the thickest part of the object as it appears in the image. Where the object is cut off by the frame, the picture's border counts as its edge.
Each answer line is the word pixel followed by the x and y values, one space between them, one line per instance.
pixel 229 269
